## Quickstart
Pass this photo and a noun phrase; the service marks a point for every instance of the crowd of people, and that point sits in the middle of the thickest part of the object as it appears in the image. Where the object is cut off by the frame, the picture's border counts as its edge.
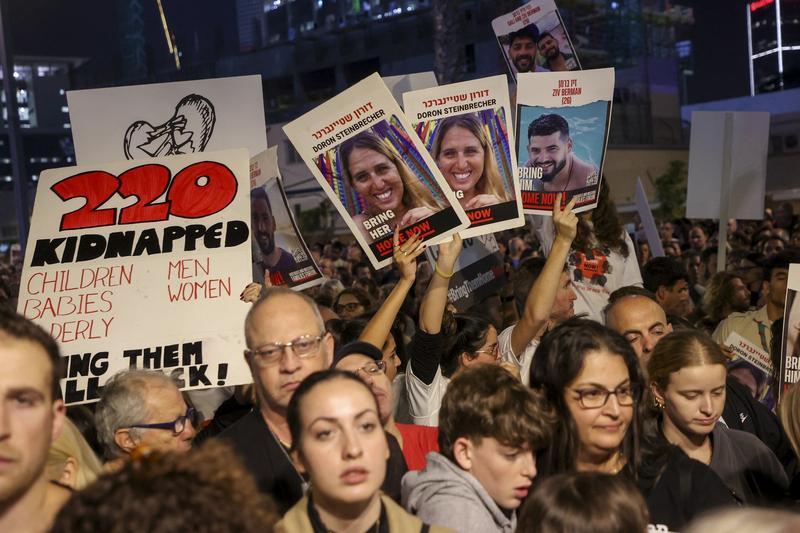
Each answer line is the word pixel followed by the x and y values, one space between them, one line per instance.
pixel 594 392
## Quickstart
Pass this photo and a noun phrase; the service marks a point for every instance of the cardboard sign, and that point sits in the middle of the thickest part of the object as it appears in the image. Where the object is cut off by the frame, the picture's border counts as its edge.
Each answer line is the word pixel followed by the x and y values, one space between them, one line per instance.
pixel 278 246
pixel 648 222
pixel 140 264
pixel 399 85
pixel 752 367
pixel 477 274
pixel 533 39
pixel 745 161
pixel 466 128
pixel 161 119
pixel 368 160
pixel 562 131
pixel 789 373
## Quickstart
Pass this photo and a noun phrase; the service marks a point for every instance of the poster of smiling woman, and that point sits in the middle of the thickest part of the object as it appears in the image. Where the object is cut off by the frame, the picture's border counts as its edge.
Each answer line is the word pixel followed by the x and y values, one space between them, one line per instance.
pixel 365 155
pixel 563 120
pixel 465 127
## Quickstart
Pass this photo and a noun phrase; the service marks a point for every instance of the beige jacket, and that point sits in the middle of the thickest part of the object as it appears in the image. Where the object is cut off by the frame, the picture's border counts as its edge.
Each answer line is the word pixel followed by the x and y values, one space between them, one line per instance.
pixel 296 519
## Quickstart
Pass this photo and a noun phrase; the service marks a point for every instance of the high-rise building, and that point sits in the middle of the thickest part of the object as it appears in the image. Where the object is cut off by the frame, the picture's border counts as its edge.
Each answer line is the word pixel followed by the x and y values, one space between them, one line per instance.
pixel 773 30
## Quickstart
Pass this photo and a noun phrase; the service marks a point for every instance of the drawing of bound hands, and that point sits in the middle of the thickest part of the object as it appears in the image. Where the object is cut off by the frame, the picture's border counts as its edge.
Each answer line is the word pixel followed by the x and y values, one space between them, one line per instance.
pixel 187 131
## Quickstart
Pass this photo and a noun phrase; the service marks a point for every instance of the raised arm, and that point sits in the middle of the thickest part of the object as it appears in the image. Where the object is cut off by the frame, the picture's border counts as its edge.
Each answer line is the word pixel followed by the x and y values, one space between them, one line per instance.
pixel 540 299
pixel 405 258
pixel 434 302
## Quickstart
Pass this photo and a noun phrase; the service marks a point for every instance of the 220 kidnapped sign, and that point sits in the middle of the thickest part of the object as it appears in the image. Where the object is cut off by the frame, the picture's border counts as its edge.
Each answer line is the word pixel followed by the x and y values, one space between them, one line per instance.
pixel 138 265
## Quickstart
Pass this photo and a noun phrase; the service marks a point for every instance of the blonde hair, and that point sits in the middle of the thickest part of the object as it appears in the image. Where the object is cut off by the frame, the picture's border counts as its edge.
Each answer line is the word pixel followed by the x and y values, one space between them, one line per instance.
pixel 789 413
pixel 414 193
pixel 490 182
pixel 72 444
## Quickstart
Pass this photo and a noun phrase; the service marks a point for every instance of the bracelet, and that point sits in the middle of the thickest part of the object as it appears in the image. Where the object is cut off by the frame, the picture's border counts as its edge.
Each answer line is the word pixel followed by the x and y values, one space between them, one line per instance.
pixel 445 276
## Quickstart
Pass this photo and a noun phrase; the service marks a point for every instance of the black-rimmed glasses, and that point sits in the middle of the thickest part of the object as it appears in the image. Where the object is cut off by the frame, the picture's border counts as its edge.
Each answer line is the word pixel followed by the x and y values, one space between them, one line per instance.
pixel 177 426
pixel 595 398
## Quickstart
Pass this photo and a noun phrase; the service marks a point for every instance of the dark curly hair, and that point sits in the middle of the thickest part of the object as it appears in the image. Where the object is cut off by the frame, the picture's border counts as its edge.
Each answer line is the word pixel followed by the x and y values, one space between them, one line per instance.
pixel 465 333
pixel 607 230
pixel 558 360
pixel 206 490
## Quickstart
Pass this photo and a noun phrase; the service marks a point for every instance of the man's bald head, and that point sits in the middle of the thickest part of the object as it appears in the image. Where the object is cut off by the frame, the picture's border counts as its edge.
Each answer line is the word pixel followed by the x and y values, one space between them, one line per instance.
pixel 272 296
pixel 641 320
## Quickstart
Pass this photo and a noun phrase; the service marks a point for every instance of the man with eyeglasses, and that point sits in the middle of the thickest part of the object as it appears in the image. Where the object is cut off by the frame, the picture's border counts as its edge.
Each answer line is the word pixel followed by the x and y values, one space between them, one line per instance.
pixel 143 409
pixel 286 342
pixel 414 441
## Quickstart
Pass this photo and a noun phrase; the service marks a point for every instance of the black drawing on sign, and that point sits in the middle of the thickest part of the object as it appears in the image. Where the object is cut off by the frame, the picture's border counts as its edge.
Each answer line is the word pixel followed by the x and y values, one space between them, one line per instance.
pixel 187 131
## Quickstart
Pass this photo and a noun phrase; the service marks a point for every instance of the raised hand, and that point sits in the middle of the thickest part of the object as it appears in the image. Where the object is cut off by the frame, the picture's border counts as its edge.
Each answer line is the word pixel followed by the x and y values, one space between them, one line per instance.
pixel 448 253
pixel 405 255
pixel 565 221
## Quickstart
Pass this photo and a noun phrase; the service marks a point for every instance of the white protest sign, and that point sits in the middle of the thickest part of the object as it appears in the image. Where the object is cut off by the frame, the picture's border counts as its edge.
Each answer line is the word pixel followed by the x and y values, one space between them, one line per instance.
pixel 466 128
pixel 649 223
pixel 160 119
pixel 366 157
pixel 747 159
pixel 752 367
pixel 398 85
pixel 278 246
pixel 563 119
pixel 140 264
pixel 789 373
pixel 533 39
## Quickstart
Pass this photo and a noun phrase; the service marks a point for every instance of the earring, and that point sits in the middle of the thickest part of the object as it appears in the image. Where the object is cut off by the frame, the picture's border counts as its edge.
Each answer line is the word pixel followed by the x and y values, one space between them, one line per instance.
pixel 658 402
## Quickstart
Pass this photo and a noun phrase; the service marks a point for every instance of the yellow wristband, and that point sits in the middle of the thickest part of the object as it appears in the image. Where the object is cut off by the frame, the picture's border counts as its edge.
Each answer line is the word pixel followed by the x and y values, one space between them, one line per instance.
pixel 445 276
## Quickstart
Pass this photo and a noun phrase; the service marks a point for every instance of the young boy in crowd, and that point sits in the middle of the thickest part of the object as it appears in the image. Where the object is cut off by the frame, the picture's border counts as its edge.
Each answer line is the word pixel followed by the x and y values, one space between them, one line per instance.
pixel 490 426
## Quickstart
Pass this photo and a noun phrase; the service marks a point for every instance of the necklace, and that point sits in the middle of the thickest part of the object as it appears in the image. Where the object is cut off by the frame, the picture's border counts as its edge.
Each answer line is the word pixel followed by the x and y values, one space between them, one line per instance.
pixel 305 485
pixel 620 463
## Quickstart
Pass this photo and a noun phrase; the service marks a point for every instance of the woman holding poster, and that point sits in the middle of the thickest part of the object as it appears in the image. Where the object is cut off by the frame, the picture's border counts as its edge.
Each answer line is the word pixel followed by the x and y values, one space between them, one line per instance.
pixel 385 183
pixel 464 154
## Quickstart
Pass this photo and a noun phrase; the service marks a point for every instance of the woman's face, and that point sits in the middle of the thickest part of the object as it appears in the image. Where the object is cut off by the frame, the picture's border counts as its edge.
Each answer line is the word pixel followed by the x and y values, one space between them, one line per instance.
pixel 376 179
pixel 600 429
pixel 694 398
pixel 342 444
pixel 486 354
pixel 348 307
pixel 461 159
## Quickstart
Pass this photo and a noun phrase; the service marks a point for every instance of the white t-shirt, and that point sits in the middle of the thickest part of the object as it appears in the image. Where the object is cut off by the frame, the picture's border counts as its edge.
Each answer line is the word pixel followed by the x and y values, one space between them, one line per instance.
pixel 597 276
pixel 424 401
pixel 523 362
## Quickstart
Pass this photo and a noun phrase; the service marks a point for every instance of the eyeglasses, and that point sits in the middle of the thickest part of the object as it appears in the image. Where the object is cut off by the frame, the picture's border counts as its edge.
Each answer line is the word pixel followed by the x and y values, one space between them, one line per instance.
pixel 371 369
pixel 595 398
pixel 177 426
pixel 493 350
pixel 303 347
pixel 352 306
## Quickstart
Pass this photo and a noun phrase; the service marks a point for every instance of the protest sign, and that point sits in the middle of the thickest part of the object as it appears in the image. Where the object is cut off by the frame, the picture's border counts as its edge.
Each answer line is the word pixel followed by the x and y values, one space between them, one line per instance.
pixel 789 373
pixel 160 119
pixel 366 157
pixel 399 85
pixel 562 132
pixel 533 39
pixel 278 246
pixel 139 264
pixel 477 274
pixel 727 169
pixel 752 367
pixel 648 222
pixel 466 129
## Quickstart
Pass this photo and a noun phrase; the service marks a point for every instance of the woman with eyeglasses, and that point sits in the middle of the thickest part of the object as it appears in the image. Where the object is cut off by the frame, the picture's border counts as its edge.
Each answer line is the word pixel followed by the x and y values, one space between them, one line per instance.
pixel 687 372
pixel 351 303
pixel 338 441
pixel 593 378
pixel 365 361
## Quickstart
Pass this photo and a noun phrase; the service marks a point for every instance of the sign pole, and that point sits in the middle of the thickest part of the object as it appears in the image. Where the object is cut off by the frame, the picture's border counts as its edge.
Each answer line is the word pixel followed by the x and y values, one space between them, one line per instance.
pixel 725 192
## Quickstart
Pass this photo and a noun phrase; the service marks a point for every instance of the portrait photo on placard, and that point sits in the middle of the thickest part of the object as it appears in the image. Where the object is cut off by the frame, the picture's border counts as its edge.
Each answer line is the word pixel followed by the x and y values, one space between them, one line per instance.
pixel 381 180
pixel 564 146
pixel 473 153
pixel 533 39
